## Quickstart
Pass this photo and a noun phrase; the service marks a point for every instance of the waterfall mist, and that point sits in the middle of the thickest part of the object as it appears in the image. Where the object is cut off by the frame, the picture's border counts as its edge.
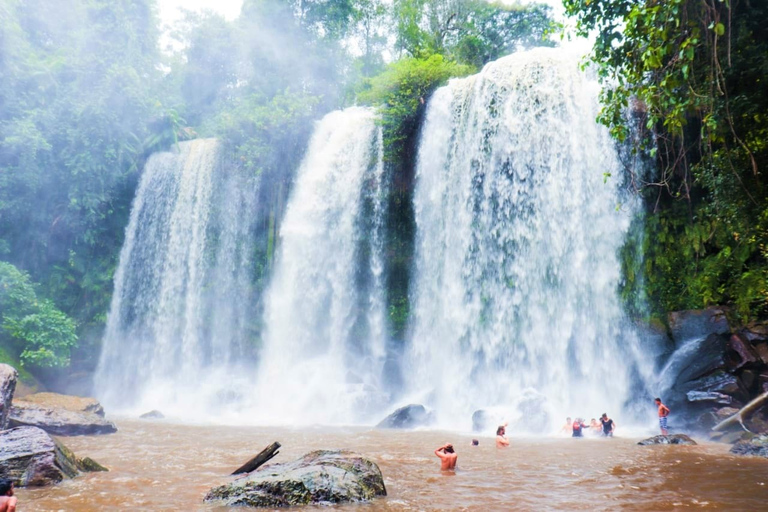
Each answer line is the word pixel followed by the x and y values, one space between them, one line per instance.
pixel 515 306
pixel 178 329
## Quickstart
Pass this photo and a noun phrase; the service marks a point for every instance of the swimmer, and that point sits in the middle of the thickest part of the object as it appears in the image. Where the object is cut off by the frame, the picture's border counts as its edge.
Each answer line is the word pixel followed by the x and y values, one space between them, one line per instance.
pixel 447 457
pixel 501 437
pixel 7 499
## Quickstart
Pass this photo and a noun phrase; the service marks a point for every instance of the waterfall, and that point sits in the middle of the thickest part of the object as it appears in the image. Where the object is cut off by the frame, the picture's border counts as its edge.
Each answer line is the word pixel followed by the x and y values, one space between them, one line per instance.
pixel 324 344
pixel 179 321
pixel 515 304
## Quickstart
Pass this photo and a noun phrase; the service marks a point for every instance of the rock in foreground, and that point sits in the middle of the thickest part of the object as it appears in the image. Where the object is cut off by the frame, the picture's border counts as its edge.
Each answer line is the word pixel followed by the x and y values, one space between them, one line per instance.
pixel 68 402
pixel 319 477
pixel 30 457
pixel 670 439
pixel 58 421
pixel 757 447
pixel 8 378
pixel 410 416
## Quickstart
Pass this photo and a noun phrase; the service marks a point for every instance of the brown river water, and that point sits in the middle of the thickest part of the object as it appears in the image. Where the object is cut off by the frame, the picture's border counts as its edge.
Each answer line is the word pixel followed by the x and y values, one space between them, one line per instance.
pixel 165 466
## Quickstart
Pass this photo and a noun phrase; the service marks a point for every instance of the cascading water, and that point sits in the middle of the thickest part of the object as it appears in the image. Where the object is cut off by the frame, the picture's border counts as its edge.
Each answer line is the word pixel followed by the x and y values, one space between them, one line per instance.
pixel 325 315
pixel 515 305
pixel 179 320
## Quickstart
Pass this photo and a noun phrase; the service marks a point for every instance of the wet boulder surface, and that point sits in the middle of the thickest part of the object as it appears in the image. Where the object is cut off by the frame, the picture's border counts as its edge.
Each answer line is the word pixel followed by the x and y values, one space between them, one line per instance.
pixel 757 446
pixel 319 477
pixel 68 402
pixel 668 439
pixel 410 416
pixel 58 421
pixel 31 457
pixel 8 378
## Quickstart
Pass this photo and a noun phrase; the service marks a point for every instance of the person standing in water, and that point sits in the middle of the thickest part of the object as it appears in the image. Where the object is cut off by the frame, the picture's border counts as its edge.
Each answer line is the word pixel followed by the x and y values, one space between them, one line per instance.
pixel 447 457
pixel 567 427
pixel 608 425
pixel 501 437
pixel 578 426
pixel 7 499
pixel 663 414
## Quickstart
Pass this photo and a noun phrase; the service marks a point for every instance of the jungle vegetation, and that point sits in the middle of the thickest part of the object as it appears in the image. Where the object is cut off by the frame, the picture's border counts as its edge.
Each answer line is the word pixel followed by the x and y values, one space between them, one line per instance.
pixel 90 89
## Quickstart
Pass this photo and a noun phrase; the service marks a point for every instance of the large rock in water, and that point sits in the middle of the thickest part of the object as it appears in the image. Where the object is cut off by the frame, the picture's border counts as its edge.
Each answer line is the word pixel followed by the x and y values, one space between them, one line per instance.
pixel 757 446
pixel 68 402
pixel 670 439
pixel 319 477
pixel 30 457
pixel 410 416
pixel 57 421
pixel 8 378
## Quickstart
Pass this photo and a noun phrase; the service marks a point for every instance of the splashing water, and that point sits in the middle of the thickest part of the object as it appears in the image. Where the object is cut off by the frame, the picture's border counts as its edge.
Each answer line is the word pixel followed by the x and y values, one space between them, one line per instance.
pixel 324 342
pixel 515 305
pixel 179 318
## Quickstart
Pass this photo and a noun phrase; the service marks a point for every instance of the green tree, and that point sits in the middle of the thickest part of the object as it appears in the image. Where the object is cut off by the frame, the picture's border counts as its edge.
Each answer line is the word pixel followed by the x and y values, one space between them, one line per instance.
pixel 33 330
pixel 693 73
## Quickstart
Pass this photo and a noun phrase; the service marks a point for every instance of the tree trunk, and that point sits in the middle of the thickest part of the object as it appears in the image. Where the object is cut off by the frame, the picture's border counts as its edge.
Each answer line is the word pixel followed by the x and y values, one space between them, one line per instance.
pixel 262 457
pixel 743 413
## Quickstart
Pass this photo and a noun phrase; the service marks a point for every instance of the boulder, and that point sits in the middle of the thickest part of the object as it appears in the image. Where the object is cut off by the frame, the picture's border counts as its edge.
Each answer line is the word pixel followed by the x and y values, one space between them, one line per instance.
pixel 739 352
pixel 320 477
pixel 152 415
pixel 410 416
pixel 717 383
pixel 709 396
pixel 697 324
pixel 730 437
pixel 8 378
pixel 761 350
pixel 57 421
pixel 487 420
pixel 755 332
pixel 757 446
pixel 68 402
pixel 725 412
pixel 669 439
pixel 481 420
pixel 31 457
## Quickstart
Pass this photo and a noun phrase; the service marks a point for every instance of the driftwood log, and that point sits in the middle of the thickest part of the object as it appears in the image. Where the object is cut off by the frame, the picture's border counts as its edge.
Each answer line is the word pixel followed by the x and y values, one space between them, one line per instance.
pixel 263 456
pixel 745 411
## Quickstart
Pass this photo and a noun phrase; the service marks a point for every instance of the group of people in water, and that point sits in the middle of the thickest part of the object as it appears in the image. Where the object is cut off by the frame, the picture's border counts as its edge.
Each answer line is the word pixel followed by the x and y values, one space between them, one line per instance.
pixel 604 428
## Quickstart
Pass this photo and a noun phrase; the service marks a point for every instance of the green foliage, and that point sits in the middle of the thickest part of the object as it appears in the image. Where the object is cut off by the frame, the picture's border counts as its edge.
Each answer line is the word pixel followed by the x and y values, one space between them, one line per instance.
pixel 402 89
pixel 469 31
pixel 694 72
pixel 40 334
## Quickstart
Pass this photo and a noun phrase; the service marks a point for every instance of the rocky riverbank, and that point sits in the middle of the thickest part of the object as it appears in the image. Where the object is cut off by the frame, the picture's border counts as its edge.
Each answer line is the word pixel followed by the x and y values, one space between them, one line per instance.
pixel 713 369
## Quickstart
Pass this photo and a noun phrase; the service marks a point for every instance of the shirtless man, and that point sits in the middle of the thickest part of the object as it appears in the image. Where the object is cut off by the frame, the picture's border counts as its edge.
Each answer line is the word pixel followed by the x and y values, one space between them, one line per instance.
pixel 501 438
pixel 447 457
pixel 7 499
pixel 663 413
pixel 567 427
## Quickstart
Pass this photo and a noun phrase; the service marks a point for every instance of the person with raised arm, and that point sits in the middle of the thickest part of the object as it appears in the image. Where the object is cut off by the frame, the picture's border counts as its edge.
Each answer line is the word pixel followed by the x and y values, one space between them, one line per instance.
pixel 447 457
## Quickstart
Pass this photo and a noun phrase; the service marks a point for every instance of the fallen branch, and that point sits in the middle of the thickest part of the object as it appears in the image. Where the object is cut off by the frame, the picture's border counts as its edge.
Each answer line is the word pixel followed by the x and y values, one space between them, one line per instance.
pixel 745 411
pixel 262 457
